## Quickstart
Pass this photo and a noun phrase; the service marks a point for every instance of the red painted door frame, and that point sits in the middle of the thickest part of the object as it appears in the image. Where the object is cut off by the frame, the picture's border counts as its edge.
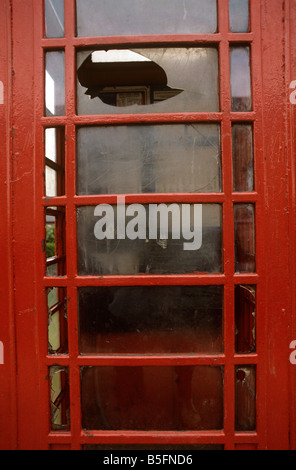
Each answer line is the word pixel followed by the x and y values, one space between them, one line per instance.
pixel 23 392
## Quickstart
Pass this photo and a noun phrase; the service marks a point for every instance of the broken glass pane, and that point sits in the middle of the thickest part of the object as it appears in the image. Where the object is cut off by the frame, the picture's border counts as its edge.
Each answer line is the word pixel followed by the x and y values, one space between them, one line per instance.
pixel 152 398
pixel 154 320
pixel 149 239
pixel 240 79
pixel 245 319
pixel 141 17
pixel 59 398
pixel 147 80
pixel 245 398
pixel 57 321
pixel 149 159
pixel 54 161
pixel 244 235
pixel 243 159
pixel 239 16
pixel 54 18
pixel 55 83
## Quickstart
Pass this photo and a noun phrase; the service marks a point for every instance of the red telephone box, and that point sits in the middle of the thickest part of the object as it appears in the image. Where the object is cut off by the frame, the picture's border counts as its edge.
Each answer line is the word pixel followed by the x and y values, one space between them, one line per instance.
pixel 147 233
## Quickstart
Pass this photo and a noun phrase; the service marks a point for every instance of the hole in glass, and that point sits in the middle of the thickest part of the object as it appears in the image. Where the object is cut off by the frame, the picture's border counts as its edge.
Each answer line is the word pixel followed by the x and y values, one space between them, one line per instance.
pixel 55 241
pixel 125 80
pixel 57 320
pixel 116 77
pixel 54 162
pixel 245 398
pixel 59 398
pixel 152 398
pixel 146 320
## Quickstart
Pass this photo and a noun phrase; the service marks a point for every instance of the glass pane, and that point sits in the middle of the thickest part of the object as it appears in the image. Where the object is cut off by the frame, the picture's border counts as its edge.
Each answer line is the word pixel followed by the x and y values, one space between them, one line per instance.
pixel 55 241
pixel 245 398
pixel 152 398
pixel 166 319
pixel 149 239
pixel 239 16
pixel 55 83
pixel 51 144
pixel 59 398
pixel 57 321
pixel 244 234
pixel 54 18
pixel 149 159
pixel 147 80
pixel 54 161
pixel 245 319
pixel 50 182
pixel 140 17
pixel 240 79
pixel 243 160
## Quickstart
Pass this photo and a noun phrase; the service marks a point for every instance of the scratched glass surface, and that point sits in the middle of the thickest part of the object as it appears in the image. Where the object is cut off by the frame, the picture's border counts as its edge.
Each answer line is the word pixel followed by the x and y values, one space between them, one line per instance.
pixel 151 254
pixel 149 159
pixel 245 319
pixel 141 17
pixel 245 398
pixel 152 398
pixel 54 18
pixel 55 83
pixel 243 157
pixel 240 79
pixel 150 320
pixel 239 16
pixel 244 235
pixel 147 80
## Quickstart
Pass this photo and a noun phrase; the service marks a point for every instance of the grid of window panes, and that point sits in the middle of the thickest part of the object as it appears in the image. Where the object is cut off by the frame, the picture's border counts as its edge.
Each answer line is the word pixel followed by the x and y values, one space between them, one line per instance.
pixel 150 148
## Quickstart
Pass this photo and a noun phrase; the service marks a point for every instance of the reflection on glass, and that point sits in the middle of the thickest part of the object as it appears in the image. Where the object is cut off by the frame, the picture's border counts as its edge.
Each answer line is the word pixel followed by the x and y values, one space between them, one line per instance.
pixel 240 79
pixel 149 239
pixel 245 319
pixel 57 320
pixel 54 18
pixel 243 159
pixel 244 235
pixel 55 83
pixel 59 398
pixel 122 320
pixel 134 17
pixel 239 16
pixel 147 80
pixel 148 159
pixel 152 398
pixel 245 398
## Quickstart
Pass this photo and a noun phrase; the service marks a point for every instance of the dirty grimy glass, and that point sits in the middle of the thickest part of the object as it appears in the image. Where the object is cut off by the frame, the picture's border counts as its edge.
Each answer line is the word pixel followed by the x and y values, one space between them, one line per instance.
pixel 148 159
pixel 138 17
pixel 150 80
pixel 152 398
pixel 143 253
pixel 150 319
